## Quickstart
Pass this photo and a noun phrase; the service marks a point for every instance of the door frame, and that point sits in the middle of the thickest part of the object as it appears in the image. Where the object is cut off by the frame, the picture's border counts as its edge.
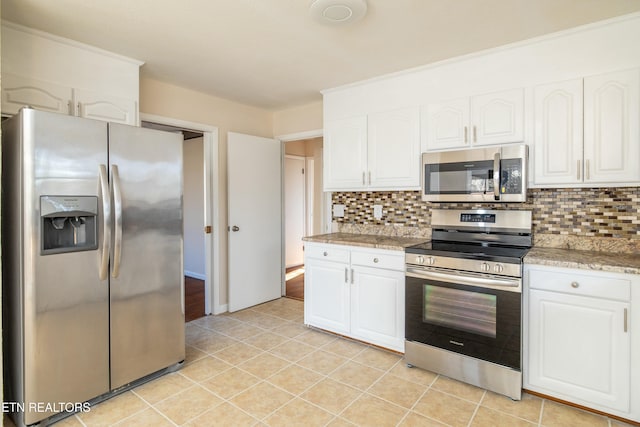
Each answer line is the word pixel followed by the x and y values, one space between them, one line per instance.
pixel 303 201
pixel 212 249
pixel 316 133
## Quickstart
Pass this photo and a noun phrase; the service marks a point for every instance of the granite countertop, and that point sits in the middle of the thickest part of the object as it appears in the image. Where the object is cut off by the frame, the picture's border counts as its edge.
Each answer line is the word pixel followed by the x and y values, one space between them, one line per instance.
pixel 366 240
pixel 586 260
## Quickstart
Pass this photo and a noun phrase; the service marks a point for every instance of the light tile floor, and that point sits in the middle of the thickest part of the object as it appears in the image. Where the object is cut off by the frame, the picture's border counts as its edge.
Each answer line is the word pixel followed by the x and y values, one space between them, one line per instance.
pixel 263 367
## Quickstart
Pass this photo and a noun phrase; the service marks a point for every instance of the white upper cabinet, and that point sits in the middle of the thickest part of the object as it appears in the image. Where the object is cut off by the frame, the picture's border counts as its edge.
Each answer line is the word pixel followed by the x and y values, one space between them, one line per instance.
pixel 493 118
pixel 18 92
pixel 586 131
pixel 67 77
pixel 374 152
pixel 558 132
pixel 93 105
pixel 394 149
pixel 446 125
pixel 612 120
pixel 497 118
pixel 345 154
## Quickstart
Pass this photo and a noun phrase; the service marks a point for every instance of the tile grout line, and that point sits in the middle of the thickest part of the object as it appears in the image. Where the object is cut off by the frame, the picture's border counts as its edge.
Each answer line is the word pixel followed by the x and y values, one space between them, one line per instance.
pixel 475 411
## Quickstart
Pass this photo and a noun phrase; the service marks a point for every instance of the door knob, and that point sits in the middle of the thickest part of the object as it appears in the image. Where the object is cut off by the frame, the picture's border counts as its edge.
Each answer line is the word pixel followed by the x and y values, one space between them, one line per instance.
pixel 235 228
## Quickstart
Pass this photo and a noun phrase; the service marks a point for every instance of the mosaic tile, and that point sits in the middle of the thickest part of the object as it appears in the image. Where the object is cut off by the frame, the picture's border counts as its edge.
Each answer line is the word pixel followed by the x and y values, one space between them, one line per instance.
pixel 609 213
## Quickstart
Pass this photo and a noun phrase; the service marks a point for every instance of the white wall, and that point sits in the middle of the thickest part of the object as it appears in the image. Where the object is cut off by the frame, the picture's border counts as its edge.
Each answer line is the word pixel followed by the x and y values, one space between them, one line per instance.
pixel 167 100
pixel 193 200
pixel 302 118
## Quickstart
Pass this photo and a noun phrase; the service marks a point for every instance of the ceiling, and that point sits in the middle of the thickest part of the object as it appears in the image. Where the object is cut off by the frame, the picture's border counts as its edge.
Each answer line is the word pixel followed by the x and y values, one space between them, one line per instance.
pixel 271 54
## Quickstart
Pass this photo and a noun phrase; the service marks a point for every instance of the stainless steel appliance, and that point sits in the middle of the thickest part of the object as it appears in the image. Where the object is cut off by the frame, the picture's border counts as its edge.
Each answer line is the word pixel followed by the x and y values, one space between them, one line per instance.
pixel 92 259
pixel 463 298
pixel 494 174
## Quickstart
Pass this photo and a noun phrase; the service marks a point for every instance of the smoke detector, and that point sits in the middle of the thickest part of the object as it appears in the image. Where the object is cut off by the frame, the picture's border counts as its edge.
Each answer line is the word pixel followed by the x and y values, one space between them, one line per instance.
pixel 338 12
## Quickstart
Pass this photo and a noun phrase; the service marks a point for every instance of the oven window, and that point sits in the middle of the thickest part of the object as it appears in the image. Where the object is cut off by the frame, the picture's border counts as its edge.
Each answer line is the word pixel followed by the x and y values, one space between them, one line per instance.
pixel 467 311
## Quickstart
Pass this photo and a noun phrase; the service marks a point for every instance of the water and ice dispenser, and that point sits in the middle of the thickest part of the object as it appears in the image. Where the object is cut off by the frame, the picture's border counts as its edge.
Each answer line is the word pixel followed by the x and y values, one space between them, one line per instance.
pixel 68 224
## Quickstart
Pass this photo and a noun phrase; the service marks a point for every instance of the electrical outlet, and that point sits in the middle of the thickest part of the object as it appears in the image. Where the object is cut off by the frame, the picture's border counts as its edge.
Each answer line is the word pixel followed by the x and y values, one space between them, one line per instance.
pixel 338 211
pixel 377 211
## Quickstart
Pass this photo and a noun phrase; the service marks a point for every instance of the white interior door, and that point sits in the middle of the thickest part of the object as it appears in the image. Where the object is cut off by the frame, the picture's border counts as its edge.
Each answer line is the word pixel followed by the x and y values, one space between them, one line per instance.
pixel 254 171
pixel 294 211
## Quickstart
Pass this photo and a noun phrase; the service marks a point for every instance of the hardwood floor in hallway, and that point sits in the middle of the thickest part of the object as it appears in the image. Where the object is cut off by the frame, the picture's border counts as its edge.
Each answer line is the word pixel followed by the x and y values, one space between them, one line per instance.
pixel 193 299
pixel 295 282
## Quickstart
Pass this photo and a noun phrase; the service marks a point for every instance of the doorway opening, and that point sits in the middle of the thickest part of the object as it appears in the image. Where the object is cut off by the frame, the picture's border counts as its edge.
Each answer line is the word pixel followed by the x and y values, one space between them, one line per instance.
pixel 193 218
pixel 302 206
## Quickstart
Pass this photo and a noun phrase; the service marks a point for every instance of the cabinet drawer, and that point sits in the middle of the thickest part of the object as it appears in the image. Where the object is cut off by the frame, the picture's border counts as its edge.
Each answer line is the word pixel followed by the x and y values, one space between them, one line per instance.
pixel 595 285
pixel 327 252
pixel 389 261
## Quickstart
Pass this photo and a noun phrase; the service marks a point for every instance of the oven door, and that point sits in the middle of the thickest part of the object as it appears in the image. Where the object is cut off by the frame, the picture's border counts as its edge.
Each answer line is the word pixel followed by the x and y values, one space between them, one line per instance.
pixel 473 314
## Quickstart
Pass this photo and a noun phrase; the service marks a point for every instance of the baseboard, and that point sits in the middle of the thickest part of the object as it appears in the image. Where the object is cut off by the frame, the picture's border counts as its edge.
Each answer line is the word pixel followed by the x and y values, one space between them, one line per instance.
pixel 194 275
pixel 222 308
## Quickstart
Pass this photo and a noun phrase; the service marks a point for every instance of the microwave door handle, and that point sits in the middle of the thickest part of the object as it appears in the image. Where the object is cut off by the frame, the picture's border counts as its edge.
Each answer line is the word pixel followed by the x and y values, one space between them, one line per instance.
pixel 496 176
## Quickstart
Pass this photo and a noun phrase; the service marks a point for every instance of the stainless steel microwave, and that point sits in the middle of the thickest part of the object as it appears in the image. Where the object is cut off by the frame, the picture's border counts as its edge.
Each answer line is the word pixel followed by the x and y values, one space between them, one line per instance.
pixel 494 174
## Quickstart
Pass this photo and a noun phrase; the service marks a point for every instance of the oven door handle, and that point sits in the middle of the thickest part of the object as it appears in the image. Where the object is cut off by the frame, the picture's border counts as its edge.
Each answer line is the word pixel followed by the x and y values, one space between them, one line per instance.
pixel 513 285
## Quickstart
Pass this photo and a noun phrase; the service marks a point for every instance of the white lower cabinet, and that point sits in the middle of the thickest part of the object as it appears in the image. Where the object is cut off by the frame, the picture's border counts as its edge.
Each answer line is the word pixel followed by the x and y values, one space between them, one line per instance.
pixel 326 302
pixel 578 338
pixel 356 292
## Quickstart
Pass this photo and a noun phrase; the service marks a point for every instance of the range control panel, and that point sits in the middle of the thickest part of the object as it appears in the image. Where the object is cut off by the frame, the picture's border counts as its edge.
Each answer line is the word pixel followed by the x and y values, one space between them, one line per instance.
pixel 478 217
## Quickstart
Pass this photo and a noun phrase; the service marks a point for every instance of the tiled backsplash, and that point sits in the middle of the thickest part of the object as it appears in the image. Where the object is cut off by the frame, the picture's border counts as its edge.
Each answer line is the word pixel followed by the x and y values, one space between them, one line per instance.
pixel 574 212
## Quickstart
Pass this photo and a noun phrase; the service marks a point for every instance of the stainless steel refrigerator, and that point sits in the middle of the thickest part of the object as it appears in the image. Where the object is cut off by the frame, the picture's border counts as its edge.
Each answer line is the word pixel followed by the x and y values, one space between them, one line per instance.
pixel 92 258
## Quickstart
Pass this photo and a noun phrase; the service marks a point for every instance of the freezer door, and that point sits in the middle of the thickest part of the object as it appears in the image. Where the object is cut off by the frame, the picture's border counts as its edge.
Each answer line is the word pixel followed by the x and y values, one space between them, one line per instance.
pixel 66 317
pixel 147 298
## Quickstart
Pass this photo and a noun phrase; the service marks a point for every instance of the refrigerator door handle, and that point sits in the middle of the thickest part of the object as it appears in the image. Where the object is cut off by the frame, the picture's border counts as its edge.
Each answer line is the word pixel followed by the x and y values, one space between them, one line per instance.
pixel 117 207
pixel 106 223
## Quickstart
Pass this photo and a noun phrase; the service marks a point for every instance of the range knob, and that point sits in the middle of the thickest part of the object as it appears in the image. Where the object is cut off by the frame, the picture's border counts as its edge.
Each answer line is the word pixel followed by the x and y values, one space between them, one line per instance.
pixel 431 260
pixel 420 259
pixel 485 267
pixel 498 268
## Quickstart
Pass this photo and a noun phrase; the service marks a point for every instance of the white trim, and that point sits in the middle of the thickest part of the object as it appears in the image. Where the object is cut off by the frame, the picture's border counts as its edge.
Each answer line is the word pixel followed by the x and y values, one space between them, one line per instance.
pixel 304 203
pixel 480 53
pixel 309 182
pixel 301 135
pixel 195 275
pixel 212 207
pixel 69 42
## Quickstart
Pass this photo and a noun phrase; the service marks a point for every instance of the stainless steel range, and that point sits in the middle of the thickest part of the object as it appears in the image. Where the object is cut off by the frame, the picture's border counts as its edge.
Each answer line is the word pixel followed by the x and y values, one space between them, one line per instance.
pixel 464 298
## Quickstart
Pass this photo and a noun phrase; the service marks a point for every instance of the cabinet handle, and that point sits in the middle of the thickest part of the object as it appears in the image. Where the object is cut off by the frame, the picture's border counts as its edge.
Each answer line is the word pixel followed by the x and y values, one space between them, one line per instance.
pixel 575 285
pixel 465 135
pixel 70 108
pixel 626 318
pixel 325 253
pixel 475 133
pixel 346 275
pixel 578 169
pixel 369 177
pixel 352 276
pixel 363 180
pixel 376 260
pixel 587 170
pixel 79 109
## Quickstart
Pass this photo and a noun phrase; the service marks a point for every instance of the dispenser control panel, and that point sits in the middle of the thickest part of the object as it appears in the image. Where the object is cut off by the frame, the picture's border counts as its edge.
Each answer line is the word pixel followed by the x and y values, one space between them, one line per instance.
pixel 68 224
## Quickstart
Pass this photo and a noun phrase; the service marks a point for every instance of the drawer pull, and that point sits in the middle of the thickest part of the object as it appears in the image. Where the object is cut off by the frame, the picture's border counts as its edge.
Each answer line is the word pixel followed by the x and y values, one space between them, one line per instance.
pixel 346 275
pixel 575 285
pixel 325 253
pixel 376 260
